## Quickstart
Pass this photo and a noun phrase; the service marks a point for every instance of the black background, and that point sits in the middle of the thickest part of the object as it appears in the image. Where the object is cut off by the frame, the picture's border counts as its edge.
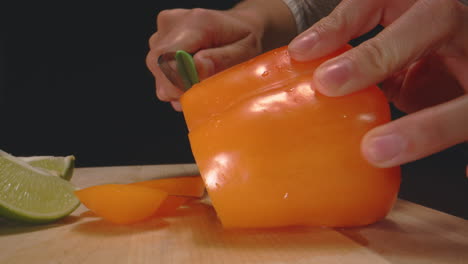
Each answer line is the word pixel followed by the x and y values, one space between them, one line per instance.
pixel 73 80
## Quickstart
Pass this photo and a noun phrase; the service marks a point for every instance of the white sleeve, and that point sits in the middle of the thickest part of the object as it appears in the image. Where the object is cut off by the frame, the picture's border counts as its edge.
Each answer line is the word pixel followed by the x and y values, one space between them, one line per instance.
pixel 308 12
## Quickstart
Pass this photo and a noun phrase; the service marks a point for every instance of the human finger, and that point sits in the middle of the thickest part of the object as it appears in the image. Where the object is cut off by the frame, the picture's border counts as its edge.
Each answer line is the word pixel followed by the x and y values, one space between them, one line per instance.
pixel 176 105
pixel 397 46
pixel 348 20
pixel 197 30
pixel 417 135
pixel 210 32
pixel 165 90
pixel 213 60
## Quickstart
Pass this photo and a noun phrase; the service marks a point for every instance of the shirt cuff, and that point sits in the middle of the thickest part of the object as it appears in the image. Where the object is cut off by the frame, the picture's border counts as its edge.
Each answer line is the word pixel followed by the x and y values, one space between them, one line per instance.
pixel 298 11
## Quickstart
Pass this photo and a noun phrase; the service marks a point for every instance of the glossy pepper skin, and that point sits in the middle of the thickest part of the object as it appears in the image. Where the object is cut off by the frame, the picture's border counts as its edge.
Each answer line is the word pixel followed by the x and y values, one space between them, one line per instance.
pixel 274 152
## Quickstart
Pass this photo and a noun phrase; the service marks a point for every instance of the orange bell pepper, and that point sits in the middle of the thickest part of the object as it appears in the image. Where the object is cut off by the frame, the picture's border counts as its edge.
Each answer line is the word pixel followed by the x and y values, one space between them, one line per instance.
pixel 274 152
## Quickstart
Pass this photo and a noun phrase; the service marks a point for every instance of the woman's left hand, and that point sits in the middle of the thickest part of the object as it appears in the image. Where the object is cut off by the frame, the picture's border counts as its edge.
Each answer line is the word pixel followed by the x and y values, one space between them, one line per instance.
pixel 421 58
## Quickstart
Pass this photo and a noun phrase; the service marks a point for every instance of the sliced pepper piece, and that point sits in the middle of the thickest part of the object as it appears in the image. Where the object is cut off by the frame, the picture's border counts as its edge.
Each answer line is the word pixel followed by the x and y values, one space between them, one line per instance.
pixel 273 151
pixel 122 203
pixel 171 204
pixel 182 186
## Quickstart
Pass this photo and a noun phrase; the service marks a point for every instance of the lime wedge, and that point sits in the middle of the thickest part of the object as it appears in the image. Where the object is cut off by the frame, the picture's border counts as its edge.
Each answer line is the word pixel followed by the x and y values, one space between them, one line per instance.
pixel 33 195
pixel 60 166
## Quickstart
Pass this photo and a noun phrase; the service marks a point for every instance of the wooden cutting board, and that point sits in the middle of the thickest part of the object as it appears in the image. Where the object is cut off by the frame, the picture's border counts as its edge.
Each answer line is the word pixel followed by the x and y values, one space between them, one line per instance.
pixel 410 234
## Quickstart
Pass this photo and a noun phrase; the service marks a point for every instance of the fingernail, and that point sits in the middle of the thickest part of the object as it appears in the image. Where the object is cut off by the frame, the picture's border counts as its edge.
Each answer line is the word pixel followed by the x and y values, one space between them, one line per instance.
pixel 332 76
pixel 300 46
pixel 382 149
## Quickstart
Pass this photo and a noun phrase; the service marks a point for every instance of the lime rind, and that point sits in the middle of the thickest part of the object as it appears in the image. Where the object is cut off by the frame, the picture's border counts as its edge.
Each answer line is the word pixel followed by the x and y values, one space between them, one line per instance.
pixel 15 214
pixel 32 195
pixel 57 165
pixel 24 164
pixel 68 170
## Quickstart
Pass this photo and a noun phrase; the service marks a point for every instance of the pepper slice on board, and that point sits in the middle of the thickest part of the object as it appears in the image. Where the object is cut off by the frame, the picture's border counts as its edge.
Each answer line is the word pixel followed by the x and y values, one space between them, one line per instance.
pixel 122 203
pixel 185 185
pixel 273 151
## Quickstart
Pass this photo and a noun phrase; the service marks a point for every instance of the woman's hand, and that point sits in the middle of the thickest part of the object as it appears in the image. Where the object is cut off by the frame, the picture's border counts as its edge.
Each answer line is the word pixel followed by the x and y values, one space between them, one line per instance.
pixel 421 58
pixel 219 39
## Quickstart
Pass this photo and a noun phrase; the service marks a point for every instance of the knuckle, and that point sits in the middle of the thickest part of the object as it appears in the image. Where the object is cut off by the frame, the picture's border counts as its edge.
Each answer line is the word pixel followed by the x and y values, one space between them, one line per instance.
pixel 161 94
pixel 148 60
pixel 250 46
pixel 159 49
pixel 153 40
pixel 378 58
pixel 163 17
pixel 336 23
pixel 166 16
pixel 202 17
pixel 151 61
pixel 331 24
pixel 200 12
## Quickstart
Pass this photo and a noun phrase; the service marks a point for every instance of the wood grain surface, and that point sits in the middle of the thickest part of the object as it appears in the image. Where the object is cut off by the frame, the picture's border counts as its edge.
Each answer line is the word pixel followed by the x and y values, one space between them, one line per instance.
pixel 410 234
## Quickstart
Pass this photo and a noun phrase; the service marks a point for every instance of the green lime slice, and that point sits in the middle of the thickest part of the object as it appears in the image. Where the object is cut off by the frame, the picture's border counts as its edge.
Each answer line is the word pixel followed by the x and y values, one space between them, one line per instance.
pixel 60 166
pixel 33 195
pixel 186 68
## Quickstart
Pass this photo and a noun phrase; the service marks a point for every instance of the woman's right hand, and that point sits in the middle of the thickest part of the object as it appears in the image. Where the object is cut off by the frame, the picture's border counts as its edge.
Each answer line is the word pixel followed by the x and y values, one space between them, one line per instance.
pixel 219 39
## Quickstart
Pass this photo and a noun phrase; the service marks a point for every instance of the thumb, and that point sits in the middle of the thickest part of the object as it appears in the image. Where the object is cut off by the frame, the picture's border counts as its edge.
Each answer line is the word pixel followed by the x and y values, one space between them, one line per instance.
pixel 397 46
pixel 214 60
